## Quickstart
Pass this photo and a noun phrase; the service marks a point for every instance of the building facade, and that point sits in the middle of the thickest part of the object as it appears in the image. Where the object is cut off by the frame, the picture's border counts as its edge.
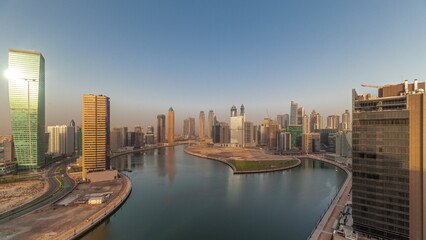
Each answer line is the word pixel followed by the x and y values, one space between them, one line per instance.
pixel 171 126
pixel 210 122
pixel 388 162
pixel 161 128
pixel 96 133
pixel 202 125
pixel 27 107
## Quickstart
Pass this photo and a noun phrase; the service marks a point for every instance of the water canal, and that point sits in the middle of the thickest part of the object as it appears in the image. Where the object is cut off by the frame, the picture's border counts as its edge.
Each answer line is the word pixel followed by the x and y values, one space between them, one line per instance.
pixel 179 196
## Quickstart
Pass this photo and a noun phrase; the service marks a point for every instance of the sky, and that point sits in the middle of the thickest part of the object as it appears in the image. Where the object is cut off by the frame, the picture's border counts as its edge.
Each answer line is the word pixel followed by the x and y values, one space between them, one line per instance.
pixel 201 55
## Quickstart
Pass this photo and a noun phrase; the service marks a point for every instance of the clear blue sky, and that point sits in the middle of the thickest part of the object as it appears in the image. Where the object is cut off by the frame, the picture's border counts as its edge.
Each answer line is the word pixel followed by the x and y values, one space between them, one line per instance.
pixel 200 55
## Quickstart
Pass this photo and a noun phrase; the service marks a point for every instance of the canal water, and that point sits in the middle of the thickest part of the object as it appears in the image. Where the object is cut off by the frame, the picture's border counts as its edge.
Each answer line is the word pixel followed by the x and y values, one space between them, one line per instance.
pixel 179 196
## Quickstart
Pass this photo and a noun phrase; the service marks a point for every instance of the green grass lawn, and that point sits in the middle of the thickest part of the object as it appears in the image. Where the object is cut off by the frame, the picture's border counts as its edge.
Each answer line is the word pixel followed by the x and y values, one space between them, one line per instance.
pixel 261 165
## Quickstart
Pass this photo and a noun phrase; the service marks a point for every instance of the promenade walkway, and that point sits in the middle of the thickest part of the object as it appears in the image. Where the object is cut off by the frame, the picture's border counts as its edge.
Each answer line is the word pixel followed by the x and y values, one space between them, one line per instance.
pixel 324 229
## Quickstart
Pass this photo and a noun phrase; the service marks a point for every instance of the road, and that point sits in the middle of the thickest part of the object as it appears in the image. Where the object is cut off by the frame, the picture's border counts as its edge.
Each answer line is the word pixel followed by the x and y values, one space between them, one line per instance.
pixel 54 192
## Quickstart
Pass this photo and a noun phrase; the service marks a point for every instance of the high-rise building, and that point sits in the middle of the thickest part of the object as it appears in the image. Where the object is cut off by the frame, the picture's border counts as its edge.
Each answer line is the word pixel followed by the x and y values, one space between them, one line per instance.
pixel 139 137
pixel 249 134
pixel 189 128
pixel 149 138
pixel 171 126
pixel 389 172
pixel 300 115
pixel 79 141
pixel 210 122
pixel 306 124
pixel 315 121
pixel 344 144
pixel 333 121
pixel 293 112
pixel 161 128
pixel 27 107
pixel 273 133
pixel 117 138
pixel 296 135
pixel 346 121
pixel 96 133
pixel 233 111
pixel 61 139
pixel 237 129
pixel 202 130
pixel 283 120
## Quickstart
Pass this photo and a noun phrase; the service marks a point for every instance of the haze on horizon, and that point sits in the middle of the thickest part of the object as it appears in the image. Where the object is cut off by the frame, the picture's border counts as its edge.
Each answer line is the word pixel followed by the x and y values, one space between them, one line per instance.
pixel 199 55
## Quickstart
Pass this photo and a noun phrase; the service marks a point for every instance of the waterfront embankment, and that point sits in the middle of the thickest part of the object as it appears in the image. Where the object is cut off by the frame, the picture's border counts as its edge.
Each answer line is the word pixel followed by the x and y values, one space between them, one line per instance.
pixel 243 161
pixel 323 230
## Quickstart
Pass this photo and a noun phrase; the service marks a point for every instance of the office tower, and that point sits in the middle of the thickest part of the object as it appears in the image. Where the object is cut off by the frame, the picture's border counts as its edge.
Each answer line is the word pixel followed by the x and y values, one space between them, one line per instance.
pixel 186 128
pixel 210 122
pixel 237 129
pixel 61 139
pixel 333 121
pixel 79 141
pixel 171 126
pixel 192 128
pixel 161 128
pixel 293 112
pixel 202 130
pixel 117 138
pixel 124 135
pixel 149 138
pixel 225 133
pixel 139 136
pixel 296 135
pixel 273 131
pixel 249 134
pixel 96 133
pixel 306 124
pixel 242 110
pixel 344 144
pixel 389 180
pixel 300 114
pixel 283 120
pixel 189 128
pixel 284 142
pixel 131 139
pixel 346 120
pixel 233 111
pixel 315 120
pixel 27 107
pixel 306 143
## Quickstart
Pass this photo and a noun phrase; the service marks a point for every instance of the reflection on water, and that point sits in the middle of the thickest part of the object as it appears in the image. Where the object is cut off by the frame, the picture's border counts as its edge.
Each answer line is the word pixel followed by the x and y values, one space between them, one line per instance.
pixel 178 196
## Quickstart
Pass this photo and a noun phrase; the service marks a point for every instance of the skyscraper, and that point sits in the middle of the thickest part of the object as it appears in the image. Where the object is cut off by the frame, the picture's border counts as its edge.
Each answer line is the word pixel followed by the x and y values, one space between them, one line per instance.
pixel 283 120
pixel 96 133
pixel 27 107
pixel 389 172
pixel 293 112
pixel 171 126
pixel 149 138
pixel 210 122
pixel 315 120
pixel 346 120
pixel 139 137
pixel 306 124
pixel 237 128
pixel 189 128
pixel 61 139
pixel 333 121
pixel 161 128
pixel 202 120
pixel 300 114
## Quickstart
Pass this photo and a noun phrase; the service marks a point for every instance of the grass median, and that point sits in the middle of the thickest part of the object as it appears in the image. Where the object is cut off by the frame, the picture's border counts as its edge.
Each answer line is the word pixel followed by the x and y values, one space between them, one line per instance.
pixel 261 165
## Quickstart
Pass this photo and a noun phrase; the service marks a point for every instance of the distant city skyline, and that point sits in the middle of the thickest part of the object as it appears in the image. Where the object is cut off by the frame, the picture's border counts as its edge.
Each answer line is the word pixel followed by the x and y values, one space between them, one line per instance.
pixel 200 57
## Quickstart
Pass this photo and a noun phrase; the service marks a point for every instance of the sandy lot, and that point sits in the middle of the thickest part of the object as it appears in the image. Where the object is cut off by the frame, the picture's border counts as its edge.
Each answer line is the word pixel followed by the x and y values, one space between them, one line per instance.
pixel 15 194
pixel 52 220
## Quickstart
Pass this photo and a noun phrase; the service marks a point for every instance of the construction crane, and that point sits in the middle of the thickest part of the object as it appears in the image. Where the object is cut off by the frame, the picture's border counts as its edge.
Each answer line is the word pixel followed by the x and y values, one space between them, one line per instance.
pixel 372 86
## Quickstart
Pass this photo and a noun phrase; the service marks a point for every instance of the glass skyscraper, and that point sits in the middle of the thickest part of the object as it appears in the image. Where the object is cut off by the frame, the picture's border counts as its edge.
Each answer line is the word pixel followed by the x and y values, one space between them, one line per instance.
pixel 27 107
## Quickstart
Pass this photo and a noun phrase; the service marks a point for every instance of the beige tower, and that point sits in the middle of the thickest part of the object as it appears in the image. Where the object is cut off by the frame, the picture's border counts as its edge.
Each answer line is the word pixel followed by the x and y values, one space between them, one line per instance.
pixel 171 126
pixel 210 123
pixel 202 129
pixel 96 134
